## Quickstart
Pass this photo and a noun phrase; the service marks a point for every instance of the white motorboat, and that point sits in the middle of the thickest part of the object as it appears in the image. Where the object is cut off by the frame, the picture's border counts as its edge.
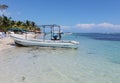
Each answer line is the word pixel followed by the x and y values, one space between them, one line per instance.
pixel 54 42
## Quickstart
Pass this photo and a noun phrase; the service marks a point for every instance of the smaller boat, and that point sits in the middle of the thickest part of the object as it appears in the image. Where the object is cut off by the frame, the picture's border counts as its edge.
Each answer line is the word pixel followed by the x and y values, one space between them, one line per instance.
pixel 55 40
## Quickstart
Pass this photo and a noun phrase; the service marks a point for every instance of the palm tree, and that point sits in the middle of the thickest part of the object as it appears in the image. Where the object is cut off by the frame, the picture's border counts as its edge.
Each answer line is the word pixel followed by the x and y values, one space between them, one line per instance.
pixel 3 7
pixel 6 22
pixel 1 22
pixel 19 23
pixel 28 24
pixel 33 25
pixel 12 23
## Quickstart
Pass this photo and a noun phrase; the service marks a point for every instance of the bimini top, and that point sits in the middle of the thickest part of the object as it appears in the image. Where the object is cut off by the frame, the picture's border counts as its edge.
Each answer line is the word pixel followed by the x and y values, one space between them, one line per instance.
pixel 55 31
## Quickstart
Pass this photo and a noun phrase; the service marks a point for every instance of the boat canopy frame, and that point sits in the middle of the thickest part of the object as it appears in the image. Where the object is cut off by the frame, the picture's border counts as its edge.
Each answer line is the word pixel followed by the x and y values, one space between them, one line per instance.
pixel 54 36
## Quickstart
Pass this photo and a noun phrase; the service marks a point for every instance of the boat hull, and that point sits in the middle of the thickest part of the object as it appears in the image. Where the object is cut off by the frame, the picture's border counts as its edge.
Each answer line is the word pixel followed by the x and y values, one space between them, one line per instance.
pixel 45 43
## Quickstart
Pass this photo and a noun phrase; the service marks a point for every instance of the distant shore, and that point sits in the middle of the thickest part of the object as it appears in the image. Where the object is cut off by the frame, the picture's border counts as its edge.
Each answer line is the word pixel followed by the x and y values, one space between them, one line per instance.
pixel 6 43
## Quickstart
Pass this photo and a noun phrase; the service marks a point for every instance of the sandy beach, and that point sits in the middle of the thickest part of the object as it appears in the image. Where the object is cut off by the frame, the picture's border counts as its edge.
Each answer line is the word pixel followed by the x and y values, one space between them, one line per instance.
pixel 87 64
pixel 6 43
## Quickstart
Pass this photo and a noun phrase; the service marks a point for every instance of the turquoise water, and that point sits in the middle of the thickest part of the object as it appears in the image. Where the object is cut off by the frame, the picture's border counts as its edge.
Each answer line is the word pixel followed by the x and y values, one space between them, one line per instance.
pixel 97 60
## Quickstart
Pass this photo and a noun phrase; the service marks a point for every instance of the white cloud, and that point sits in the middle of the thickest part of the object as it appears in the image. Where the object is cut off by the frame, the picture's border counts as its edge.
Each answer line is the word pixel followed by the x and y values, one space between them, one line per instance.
pixel 85 25
pixel 106 25
pixel 92 27
pixel 101 25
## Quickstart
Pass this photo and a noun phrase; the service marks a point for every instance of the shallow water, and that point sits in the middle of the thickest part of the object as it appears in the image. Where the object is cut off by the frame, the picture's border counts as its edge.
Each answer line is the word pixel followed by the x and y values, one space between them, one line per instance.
pixel 95 61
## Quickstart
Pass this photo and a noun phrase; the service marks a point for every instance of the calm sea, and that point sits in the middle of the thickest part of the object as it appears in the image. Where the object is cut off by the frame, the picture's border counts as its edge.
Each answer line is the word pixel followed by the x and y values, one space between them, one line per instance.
pixel 97 60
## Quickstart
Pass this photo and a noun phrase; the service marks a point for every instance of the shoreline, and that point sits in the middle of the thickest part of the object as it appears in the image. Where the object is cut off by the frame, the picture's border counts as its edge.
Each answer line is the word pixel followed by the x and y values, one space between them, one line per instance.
pixel 6 43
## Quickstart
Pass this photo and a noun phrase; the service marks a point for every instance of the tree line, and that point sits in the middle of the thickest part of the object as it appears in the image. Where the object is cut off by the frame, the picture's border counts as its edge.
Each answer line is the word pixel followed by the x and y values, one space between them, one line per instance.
pixel 6 22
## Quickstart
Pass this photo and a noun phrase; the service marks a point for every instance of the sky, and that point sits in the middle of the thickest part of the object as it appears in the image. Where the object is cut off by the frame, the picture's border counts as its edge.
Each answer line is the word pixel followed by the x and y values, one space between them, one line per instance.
pixel 73 15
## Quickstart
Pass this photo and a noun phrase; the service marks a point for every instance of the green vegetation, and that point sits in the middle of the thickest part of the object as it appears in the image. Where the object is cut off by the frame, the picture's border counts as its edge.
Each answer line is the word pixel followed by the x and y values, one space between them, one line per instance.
pixel 6 22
